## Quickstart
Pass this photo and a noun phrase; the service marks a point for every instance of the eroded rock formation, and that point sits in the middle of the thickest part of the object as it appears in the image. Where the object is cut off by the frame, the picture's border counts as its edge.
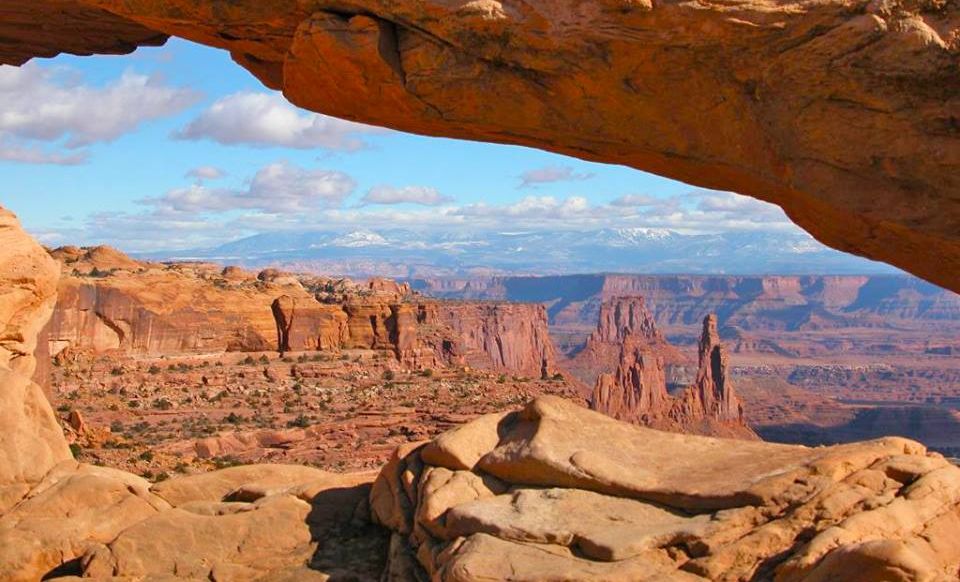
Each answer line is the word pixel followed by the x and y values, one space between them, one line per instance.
pixel 421 333
pixel 256 522
pixel 31 441
pixel 773 93
pixel 712 395
pixel 559 492
pixel 622 320
pixel 636 390
pixel 109 302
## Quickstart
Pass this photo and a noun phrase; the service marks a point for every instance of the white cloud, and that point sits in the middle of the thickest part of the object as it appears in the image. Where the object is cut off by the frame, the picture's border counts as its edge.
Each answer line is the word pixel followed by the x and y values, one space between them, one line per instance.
pixel 277 188
pixel 206 173
pixel 634 200
pixel 14 151
pixel 47 104
pixel 536 208
pixel 267 119
pixel 549 174
pixel 422 195
pixel 282 197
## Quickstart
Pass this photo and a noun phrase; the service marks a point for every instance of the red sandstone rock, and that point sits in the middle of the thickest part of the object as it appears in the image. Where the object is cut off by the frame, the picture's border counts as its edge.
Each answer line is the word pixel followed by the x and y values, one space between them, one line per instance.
pixel 773 93
pixel 712 395
pixel 621 319
pixel 637 391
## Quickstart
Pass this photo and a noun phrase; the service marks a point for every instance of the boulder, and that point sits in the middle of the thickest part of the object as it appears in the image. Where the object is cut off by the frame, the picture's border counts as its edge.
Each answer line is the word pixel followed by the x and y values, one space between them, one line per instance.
pixel 568 493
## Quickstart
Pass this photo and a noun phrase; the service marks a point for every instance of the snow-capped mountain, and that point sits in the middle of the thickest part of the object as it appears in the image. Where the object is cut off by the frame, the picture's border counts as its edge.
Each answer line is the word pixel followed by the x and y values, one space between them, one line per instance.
pixel 401 252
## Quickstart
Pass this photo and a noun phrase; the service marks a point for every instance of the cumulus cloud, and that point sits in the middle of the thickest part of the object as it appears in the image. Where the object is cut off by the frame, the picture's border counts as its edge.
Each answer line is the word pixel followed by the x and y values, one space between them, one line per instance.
pixel 422 195
pixel 206 173
pixel 549 174
pixel 48 104
pixel 277 188
pixel 268 120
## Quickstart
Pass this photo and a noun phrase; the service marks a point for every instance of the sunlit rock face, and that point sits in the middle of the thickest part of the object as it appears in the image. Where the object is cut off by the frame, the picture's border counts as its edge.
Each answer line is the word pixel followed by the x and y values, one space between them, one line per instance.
pixel 555 491
pixel 31 441
pixel 844 114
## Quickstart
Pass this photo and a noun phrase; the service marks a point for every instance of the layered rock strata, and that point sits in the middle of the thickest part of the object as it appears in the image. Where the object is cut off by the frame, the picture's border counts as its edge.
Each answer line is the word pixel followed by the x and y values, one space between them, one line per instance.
pixel 109 302
pixel 556 491
pixel 421 333
pixel 621 321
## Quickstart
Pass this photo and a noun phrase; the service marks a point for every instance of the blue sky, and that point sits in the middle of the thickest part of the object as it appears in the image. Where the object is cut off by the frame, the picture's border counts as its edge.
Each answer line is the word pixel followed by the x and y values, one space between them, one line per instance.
pixel 177 147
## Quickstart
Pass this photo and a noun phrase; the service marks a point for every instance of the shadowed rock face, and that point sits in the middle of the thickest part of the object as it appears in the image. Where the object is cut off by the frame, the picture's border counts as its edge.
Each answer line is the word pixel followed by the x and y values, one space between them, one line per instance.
pixel 760 97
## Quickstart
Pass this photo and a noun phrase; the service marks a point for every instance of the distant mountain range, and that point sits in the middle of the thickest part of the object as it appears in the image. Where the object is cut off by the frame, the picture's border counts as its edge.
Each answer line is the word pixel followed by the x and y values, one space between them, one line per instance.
pixel 410 253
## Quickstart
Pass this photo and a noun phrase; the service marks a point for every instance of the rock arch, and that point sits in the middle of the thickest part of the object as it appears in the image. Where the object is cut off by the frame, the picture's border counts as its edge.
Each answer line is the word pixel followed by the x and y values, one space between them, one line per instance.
pixel 846 114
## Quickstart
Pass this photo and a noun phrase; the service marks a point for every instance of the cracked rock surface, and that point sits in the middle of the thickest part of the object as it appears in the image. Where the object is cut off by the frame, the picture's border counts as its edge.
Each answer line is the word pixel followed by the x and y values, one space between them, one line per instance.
pixel 562 492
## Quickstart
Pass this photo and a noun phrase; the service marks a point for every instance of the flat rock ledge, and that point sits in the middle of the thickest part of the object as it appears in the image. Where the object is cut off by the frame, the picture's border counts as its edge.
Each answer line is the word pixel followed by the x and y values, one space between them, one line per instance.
pixel 558 492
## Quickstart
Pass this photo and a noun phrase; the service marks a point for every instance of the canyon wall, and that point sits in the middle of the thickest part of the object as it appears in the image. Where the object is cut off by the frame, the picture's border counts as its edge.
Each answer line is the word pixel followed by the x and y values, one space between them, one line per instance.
pixel 108 302
pixel 773 93
pixel 154 310
pixel 512 338
pixel 773 302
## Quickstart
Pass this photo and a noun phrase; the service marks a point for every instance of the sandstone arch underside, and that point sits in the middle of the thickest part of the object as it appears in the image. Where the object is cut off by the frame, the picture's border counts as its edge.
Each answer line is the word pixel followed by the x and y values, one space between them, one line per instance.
pixel 845 113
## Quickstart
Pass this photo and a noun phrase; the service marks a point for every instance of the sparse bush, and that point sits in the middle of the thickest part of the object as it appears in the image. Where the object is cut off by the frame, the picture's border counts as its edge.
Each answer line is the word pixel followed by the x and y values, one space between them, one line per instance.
pixel 75 450
pixel 301 421
pixel 154 369
pixel 389 375
pixel 427 373
pixel 117 371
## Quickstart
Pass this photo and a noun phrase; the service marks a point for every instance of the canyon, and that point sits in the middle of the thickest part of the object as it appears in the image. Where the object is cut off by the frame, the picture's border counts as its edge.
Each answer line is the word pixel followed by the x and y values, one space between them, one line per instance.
pixel 817 359
pixel 538 486
pixel 164 433
pixel 791 84
pixel 773 96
